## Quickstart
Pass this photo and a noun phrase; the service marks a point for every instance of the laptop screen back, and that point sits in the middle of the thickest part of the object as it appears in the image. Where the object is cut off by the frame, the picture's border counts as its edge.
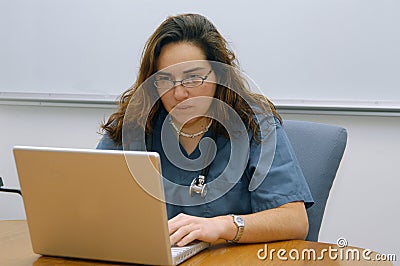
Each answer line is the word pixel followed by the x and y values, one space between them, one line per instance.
pixel 86 204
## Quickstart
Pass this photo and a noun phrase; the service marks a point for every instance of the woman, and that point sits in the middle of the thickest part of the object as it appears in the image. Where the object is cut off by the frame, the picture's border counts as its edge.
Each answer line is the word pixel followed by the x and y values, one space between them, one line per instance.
pixel 188 77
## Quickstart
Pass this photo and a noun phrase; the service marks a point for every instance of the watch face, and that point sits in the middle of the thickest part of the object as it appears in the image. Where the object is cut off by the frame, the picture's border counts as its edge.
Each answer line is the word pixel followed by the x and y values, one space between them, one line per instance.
pixel 239 221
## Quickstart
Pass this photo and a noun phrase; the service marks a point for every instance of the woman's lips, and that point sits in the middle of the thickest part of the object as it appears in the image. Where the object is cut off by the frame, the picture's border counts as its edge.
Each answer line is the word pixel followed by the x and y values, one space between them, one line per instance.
pixel 183 107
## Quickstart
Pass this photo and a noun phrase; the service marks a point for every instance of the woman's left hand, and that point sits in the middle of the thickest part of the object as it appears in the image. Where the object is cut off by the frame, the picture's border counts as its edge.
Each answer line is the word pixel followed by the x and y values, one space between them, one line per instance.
pixel 184 228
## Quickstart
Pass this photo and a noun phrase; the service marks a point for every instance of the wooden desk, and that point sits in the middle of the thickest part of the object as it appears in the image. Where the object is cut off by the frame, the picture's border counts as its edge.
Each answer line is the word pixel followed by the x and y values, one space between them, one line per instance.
pixel 15 249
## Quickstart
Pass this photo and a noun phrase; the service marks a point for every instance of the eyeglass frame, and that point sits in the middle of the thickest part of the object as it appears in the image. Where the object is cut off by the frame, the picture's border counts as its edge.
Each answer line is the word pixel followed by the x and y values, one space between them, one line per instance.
pixel 174 82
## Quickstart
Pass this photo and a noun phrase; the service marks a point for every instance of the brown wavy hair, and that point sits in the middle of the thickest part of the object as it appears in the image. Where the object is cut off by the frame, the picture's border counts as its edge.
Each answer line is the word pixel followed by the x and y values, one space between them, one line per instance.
pixel 199 31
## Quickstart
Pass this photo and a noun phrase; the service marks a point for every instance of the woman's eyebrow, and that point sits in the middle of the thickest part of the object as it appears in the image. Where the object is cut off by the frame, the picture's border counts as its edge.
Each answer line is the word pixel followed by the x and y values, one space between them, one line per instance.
pixel 163 73
pixel 184 72
pixel 193 69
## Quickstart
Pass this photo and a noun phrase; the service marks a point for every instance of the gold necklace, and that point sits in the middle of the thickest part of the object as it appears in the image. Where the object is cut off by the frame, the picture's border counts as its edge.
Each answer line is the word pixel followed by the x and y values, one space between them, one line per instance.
pixel 187 135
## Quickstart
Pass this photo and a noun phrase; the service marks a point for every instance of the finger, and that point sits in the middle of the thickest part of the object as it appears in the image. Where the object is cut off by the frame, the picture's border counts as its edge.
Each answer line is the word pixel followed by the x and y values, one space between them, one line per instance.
pixel 177 222
pixel 179 234
pixel 177 217
pixel 172 227
pixel 188 238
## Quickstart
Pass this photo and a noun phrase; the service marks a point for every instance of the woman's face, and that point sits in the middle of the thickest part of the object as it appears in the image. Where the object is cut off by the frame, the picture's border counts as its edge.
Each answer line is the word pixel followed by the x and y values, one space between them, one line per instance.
pixel 185 105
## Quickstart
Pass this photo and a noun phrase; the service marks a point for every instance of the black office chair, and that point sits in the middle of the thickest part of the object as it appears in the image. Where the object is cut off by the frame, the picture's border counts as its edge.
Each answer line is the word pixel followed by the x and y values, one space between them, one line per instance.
pixel 319 149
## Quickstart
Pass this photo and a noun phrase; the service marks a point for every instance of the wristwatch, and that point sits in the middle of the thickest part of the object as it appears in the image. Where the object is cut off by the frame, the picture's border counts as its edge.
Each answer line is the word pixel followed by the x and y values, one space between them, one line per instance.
pixel 239 222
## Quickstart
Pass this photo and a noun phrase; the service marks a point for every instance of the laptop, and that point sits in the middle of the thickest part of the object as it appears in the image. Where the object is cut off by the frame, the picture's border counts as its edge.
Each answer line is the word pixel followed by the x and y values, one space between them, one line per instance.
pixel 84 203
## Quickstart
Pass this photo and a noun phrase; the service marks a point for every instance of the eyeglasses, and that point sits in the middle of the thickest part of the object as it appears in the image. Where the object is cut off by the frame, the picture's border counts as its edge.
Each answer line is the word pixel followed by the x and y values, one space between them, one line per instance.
pixel 167 84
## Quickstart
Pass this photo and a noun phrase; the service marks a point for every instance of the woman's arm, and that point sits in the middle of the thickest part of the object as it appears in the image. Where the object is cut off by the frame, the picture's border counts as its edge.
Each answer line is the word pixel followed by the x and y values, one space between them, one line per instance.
pixel 288 221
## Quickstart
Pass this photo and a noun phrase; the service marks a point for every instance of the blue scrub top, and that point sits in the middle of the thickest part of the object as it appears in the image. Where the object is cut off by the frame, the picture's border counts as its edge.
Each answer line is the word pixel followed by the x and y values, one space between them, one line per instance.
pixel 279 182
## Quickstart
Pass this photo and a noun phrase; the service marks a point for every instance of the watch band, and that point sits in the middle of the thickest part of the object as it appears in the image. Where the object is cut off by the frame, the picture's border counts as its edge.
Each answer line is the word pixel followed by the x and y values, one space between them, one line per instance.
pixel 239 222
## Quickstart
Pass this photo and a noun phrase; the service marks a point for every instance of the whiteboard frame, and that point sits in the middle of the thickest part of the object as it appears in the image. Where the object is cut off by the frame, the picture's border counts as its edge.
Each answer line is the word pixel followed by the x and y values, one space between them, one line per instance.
pixel 326 107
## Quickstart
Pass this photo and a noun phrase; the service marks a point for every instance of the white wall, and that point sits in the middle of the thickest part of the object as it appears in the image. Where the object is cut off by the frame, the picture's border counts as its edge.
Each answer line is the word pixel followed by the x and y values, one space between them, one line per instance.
pixel 362 206
pixel 41 126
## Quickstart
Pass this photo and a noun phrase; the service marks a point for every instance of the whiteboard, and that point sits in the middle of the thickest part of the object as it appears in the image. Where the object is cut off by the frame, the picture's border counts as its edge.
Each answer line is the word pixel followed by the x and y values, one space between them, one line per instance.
pixel 342 50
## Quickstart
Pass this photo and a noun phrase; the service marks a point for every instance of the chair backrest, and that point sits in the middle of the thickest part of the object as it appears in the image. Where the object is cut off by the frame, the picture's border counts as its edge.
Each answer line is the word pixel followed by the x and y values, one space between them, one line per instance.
pixel 319 149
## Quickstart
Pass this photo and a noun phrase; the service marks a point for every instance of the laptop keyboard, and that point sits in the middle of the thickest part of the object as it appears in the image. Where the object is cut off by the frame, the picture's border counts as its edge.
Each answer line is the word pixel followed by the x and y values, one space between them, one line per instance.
pixel 176 251
pixel 179 254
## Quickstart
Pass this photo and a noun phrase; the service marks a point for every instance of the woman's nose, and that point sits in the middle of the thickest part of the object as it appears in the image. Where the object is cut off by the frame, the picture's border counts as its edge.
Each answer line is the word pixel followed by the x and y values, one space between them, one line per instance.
pixel 180 92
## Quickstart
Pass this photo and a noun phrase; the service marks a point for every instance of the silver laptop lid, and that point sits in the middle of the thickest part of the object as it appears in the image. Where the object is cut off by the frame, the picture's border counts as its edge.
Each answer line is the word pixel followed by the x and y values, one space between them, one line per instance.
pixel 85 203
